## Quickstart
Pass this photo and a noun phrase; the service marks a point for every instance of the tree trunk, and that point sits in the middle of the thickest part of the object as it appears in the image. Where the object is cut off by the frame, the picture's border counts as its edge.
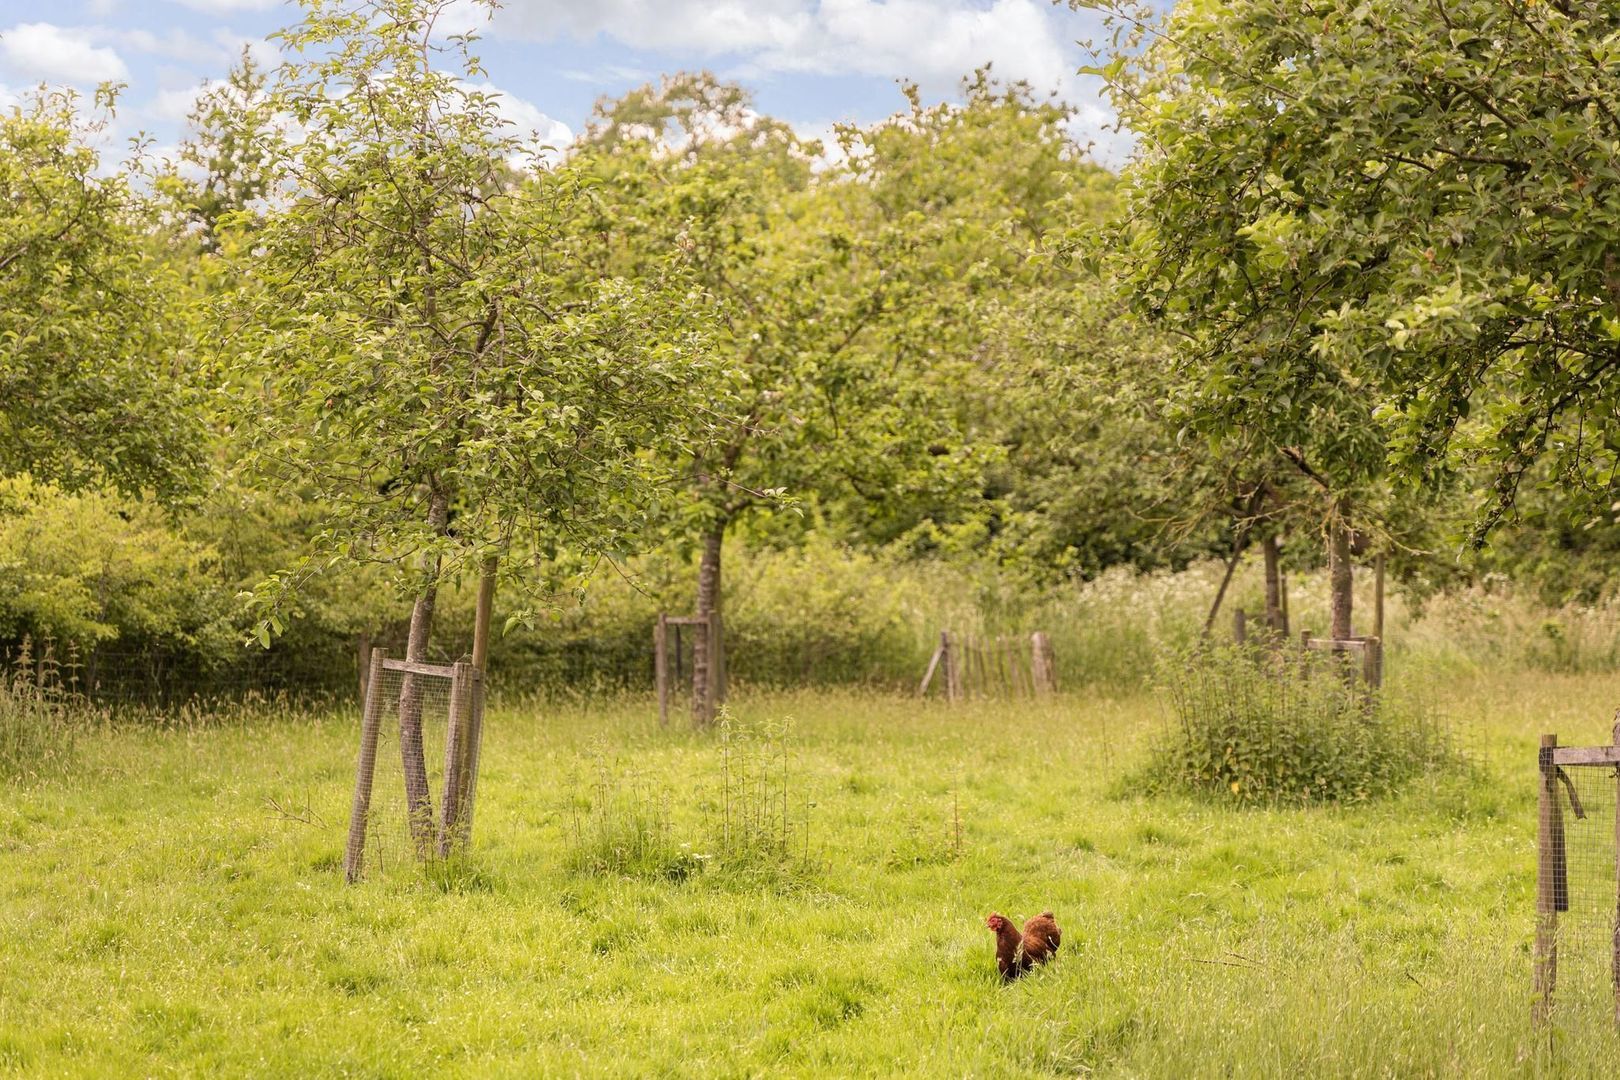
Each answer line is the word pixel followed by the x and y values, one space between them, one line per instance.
pixel 1339 569
pixel 709 664
pixel 418 800
pixel 1272 550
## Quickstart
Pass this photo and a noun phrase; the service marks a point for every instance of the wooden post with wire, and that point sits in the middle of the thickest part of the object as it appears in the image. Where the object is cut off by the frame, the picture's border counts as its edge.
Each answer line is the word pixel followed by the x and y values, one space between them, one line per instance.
pixel 366 769
pixel 709 625
pixel 661 667
pixel 1378 597
pixel 1042 670
pixel 1549 859
pixel 458 743
pixel 1614 944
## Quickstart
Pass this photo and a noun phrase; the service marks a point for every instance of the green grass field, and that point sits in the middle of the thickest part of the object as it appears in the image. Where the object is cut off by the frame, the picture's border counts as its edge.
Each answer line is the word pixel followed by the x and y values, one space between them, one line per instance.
pixel 159 915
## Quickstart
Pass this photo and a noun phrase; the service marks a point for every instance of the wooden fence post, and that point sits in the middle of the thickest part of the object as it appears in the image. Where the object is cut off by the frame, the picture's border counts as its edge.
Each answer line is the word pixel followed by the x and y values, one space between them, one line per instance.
pixel 715 674
pixel 370 725
pixel 1378 597
pixel 1282 588
pixel 1549 855
pixel 953 667
pixel 661 666
pixel 363 655
pixel 455 756
pixel 1372 662
pixel 1041 667
pixel 472 741
pixel 1614 738
pixel 680 669
pixel 933 666
pixel 717 654
pixel 1240 626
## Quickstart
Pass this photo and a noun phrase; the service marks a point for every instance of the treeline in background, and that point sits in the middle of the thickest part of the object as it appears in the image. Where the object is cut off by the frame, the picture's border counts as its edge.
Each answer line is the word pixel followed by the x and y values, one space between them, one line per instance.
pixel 293 392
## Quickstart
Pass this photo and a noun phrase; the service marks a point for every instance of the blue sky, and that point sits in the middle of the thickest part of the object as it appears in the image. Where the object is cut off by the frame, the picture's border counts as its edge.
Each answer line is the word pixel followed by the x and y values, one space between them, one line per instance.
pixel 810 62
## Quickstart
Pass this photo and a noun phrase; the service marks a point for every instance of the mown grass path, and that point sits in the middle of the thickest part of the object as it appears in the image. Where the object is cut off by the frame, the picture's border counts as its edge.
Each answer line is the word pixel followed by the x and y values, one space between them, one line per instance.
pixel 158 916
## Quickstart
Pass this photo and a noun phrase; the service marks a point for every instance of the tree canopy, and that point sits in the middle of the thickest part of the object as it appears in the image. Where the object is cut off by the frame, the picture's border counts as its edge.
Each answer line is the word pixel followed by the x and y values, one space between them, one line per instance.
pixel 95 381
pixel 1384 231
pixel 423 360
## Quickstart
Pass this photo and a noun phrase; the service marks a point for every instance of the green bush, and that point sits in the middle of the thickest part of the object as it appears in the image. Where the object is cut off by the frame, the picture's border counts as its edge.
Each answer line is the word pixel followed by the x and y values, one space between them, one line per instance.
pixel 1253 727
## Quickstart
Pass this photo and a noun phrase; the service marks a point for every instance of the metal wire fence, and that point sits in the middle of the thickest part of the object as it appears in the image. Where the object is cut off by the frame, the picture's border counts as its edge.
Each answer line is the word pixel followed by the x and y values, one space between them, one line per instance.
pixel 1577 961
pixel 416 781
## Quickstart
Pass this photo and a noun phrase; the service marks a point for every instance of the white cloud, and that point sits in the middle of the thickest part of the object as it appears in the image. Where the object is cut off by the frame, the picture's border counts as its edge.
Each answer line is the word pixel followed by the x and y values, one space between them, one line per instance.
pixel 221 49
pixel 59 54
pixel 705 26
pixel 543 135
pixel 926 40
pixel 173 44
pixel 933 42
pixel 220 7
pixel 175 105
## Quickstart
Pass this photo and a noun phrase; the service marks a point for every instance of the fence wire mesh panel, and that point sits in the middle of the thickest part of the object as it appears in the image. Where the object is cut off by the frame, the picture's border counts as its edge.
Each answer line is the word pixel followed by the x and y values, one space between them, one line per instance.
pixel 1006 666
pixel 1577 948
pixel 397 825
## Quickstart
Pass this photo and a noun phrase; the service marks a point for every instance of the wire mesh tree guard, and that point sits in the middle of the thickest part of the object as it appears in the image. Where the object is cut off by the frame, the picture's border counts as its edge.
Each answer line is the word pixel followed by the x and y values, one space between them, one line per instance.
pixel 667 653
pixel 1577 944
pixel 438 707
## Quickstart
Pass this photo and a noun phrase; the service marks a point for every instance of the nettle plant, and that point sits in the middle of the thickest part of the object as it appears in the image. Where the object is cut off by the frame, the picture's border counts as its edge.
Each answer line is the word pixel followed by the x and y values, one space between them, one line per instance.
pixel 1253 727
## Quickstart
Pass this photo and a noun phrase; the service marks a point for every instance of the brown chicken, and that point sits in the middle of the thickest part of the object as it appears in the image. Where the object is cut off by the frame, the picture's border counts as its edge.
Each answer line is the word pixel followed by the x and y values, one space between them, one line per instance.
pixel 1016 953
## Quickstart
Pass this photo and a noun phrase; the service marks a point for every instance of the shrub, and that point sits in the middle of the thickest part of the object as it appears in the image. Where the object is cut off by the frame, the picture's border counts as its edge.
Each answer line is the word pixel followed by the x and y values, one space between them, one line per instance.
pixel 1253 727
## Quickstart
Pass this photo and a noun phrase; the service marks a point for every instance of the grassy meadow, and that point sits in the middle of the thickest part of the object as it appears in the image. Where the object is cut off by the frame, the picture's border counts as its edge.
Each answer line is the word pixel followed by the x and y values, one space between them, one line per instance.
pixel 174 905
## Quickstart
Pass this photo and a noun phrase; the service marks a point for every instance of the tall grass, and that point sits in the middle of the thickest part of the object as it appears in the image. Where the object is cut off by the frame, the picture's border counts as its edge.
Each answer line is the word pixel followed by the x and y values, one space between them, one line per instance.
pixel 828 615
pixel 41 713
pixel 747 819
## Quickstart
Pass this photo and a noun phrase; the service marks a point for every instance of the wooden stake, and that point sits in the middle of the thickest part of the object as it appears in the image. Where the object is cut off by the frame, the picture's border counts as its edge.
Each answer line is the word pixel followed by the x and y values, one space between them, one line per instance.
pixel 455 747
pixel 486 608
pixel 1549 856
pixel 1041 670
pixel 1240 626
pixel 370 725
pixel 1372 662
pixel 661 666
pixel 953 667
pixel 1282 588
pixel 933 664
pixel 1614 737
pixel 1378 597
pixel 472 710
pixel 717 656
pixel 1015 668
pixel 716 673
pixel 363 654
